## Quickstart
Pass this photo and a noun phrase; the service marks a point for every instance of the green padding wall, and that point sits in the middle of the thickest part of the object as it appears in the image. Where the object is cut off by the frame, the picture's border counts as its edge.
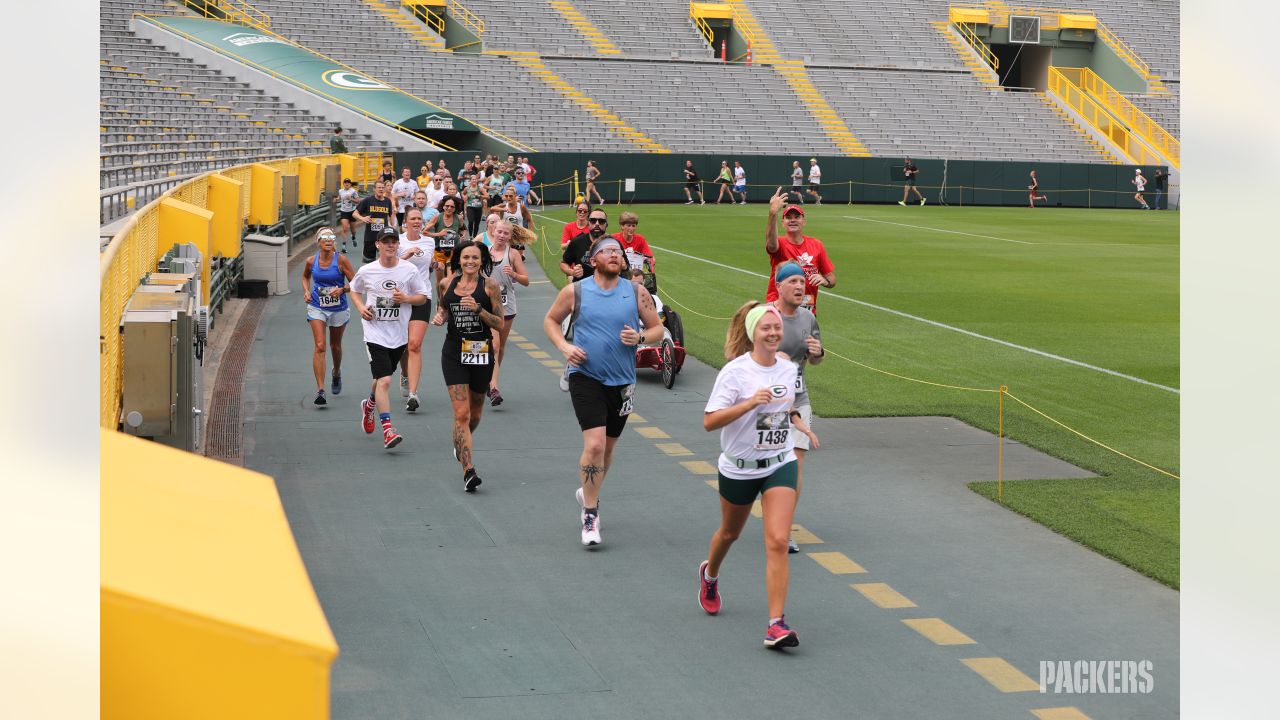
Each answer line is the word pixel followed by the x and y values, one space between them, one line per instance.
pixel 318 75
pixel 660 178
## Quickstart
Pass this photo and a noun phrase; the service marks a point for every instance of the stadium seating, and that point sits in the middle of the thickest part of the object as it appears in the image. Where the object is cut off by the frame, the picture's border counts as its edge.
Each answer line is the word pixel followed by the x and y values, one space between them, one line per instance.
pixel 1164 110
pixel 648 28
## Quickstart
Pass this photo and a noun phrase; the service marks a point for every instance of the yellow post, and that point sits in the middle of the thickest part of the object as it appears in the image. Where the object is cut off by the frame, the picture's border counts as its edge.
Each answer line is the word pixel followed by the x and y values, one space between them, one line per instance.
pixel 310 181
pixel 575 184
pixel 1000 448
pixel 850 192
pixel 348 164
pixel 228 215
pixel 181 222
pixel 264 195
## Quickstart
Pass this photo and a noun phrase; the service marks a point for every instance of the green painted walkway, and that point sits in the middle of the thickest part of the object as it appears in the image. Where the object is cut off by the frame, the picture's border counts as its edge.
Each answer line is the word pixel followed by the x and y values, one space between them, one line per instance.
pixel 448 605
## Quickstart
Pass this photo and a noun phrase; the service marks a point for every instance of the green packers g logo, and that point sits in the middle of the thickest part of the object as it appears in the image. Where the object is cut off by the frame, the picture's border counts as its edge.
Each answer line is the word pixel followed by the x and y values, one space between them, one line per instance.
pixel 351 80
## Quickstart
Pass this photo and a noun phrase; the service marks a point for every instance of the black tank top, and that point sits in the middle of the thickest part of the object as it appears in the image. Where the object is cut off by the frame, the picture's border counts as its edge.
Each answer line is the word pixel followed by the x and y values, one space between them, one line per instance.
pixel 466 324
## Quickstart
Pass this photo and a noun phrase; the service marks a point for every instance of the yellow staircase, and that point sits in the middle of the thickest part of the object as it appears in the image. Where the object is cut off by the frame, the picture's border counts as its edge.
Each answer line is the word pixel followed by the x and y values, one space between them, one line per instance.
pixel 390 9
pixel 758 43
pixel 585 28
pixel 1103 154
pixel 533 65
pixel 969 54
pixel 836 131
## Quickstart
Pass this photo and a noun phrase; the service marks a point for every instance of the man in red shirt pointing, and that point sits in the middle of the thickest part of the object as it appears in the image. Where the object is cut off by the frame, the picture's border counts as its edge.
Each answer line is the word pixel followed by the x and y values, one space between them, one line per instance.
pixel 807 251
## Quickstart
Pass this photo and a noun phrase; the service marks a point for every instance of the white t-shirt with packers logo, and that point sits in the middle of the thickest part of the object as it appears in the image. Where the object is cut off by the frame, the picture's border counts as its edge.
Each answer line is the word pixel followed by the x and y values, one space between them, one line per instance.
pixel 765 430
pixel 390 324
pixel 425 249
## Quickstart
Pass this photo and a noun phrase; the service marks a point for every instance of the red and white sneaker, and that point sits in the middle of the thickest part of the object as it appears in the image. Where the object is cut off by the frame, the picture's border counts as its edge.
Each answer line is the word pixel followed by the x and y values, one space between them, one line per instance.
pixel 779 635
pixel 390 438
pixel 708 591
pixel 366 419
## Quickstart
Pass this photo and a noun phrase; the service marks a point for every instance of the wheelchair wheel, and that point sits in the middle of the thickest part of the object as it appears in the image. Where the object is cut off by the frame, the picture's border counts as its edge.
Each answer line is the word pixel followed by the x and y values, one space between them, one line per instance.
pixel 676 326
pixel 668 354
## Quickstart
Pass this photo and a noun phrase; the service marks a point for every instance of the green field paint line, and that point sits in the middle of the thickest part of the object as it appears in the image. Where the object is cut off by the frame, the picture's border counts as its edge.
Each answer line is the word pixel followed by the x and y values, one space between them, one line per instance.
pixel 944 326
pixel 1003 676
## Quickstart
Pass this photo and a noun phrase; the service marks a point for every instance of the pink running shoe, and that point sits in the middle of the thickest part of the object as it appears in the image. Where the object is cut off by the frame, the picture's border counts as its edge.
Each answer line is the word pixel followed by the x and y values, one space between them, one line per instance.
pixel 779 635
pixel 708 591
pixel 366 420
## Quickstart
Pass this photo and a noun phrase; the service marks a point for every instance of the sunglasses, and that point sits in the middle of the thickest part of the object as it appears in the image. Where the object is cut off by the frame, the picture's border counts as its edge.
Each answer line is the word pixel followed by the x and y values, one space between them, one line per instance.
pixel 598 221
pixel 580 211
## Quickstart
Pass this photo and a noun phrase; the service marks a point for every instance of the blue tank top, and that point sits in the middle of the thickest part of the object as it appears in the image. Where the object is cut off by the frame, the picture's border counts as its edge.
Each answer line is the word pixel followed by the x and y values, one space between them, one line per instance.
pixel 326 278
pixel 599 317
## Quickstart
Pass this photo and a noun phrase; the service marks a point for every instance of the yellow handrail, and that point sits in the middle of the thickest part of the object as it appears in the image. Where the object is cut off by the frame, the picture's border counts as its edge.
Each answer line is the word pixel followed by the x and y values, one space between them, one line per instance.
pixel 237 11
pixel 980 47
pixel 1099 119
pixel 474 22
pixel 702 25
pixel 423 13
pixel 1122 49
pixel 1049 21
pixel 1128 113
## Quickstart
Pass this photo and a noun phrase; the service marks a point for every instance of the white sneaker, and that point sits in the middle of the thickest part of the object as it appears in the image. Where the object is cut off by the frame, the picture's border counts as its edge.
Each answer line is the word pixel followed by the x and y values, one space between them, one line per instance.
pixel 689 203
pixel 922 201
pixel 404 386
pixel 590 529
pixel 564 379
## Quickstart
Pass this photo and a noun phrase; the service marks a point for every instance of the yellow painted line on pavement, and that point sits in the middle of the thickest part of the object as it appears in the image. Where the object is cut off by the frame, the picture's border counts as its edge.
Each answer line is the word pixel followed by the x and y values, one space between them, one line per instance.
pixel 553 364
pixel 539 355
pixel 651 432
pixel 1002 676
pixel 715 484
pixel 881 595
pixel 837 563
pixel 634 418
pixel 938 631
pixel 804 537
pixel 673 449
pixel 757 510
pixel 527 345
pixel 516 338
pixel 1059 713
pixel 699 467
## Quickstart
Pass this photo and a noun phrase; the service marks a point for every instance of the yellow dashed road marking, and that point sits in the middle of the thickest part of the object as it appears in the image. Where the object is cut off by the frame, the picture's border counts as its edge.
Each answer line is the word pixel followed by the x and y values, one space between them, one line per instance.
pixel 883 596
pixel 938 631
pixel 553 364
pixel 837 563
pixel 516 338
pixel 527 345
pixel 699 467
pixel 1060 713
pixel 634 418
pixel 539 355
pixel 757 510
pixel 651 432
pixel 715 484
pixel 804 537
pixel 1002 676
pixel 675 449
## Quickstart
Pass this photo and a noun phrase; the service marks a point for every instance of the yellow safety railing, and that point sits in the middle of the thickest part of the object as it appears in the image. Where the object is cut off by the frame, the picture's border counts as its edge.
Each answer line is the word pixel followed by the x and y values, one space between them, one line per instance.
pixel 984 52
pixel 473 22
pixel 1126 53
pixel 1099 119
pixel 1049 21
pixel 702 25
pixel 423 13
pixel 236 11
pixel 1128 113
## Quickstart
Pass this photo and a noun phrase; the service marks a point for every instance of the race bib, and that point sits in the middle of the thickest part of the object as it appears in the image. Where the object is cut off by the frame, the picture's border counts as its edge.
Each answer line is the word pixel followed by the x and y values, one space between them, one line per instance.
pixel 628 402
pixel 799 383
pixel 809 300
pixel 447 241
pixel 378 225
pixel 475 352
pixel 772 430
pixel 384 308
pixel 504 297
pixel 327 300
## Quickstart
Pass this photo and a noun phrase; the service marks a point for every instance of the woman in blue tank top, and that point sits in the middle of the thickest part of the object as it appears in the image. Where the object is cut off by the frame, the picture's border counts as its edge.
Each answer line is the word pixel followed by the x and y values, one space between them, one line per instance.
pixel 325 278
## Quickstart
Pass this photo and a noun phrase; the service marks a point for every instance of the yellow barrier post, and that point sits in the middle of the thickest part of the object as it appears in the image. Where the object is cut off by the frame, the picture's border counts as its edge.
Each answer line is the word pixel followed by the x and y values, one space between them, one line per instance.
pixel 182 222
pixel 310 181
pixel 264 195
pixel 1000 448
pixel 348 165
pixel 228 213
pixel 576 194
pixel 619 191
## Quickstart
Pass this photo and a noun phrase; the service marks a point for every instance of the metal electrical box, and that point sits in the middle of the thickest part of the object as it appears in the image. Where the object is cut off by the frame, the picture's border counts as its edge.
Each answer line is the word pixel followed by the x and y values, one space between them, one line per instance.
pixel 288 195
pixel 332 179
pixel 162 387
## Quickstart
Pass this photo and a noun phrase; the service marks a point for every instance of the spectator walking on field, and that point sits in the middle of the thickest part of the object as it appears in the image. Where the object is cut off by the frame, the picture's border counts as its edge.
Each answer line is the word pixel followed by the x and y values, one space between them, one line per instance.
pixel 691 184
pixel 724 180
pixel 1162 186
pixel 909 170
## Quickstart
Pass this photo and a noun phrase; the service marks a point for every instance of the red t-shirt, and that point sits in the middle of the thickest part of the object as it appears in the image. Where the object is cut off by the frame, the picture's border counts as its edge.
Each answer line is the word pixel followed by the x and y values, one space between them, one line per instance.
pixel 812 257
pixel 570 231
pixel 638 245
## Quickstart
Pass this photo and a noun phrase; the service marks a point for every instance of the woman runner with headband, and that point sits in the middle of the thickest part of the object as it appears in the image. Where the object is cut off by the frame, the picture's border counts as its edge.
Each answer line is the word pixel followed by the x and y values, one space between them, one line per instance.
pixel 324 285
pixel 752 406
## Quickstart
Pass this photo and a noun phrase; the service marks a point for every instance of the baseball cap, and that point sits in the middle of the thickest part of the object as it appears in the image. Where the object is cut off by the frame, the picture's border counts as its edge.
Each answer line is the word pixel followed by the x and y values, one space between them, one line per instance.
pixel 388 232
pixel 793 208
pixel 813 159
pixel 346 181
pixel 1137 171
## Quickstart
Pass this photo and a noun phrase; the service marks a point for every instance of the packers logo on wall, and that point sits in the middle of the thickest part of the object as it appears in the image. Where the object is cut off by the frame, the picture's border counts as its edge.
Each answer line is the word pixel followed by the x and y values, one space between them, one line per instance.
pixel 351 80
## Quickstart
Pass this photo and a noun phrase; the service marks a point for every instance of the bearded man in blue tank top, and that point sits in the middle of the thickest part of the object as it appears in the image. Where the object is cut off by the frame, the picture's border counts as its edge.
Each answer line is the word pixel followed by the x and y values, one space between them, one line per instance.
pixel 607 311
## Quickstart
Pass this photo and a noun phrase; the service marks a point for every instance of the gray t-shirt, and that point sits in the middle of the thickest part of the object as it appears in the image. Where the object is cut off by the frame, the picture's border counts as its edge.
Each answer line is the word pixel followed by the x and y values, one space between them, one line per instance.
pixel 794 330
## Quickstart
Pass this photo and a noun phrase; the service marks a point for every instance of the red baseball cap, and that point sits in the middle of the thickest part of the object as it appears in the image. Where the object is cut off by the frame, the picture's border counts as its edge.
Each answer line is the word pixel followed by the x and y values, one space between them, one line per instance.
pixel 793 208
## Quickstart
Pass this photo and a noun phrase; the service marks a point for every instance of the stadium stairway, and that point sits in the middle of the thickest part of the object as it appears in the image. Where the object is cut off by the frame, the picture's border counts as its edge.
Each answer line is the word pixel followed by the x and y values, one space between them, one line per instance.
pixel 390 9
pixel 587 29
pixel 968 55
pixel 1085 136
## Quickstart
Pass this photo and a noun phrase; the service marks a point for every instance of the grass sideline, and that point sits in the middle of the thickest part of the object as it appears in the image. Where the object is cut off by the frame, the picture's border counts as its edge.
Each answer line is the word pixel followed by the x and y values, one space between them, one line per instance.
pixel 1096 286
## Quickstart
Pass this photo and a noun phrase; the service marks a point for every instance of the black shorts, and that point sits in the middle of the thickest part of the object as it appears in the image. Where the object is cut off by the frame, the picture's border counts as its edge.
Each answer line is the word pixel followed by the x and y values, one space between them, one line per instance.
pixel 383 360
pixel 421 312
pixel 911 181
pixel 348 215
pixel 722 181
pixel 693 185
pixel 475 377
pixel 597 404
pixel 813 186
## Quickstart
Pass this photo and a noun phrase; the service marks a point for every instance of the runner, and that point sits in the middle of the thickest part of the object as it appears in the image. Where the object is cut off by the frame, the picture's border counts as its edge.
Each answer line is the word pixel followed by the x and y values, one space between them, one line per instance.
pixel 577 227
pixel 802 344
pixel 909 171
pixel 418 250
pixel 815 180
pixel 691 184
pixel 493 188
pixel 1035 187
pixel 402 193
pixel 508 269
pixel 602 363
pixel 470 304
pixel 435 191
pixel 473 195
pixel 348 198
pixel 634 246
pixel 375 212
pixel 797 183
pixel 324 282
pixel 378 291
pixel 593 174
pixel 1140 183
pixel 805 250
pixel 512 210
pixel 388 175
pixel 724 179
pixel 752 405
pixel 486 237
pixel 739 183
pixel 448 230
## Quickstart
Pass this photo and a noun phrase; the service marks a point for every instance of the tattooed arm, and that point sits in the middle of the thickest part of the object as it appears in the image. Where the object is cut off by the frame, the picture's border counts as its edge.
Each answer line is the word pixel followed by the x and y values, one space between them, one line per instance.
pixel 649 317
pixel 492 319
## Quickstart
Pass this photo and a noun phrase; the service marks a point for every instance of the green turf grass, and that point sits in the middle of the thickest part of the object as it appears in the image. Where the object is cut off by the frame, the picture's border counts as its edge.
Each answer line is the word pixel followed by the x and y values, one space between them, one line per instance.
pixel 1096 286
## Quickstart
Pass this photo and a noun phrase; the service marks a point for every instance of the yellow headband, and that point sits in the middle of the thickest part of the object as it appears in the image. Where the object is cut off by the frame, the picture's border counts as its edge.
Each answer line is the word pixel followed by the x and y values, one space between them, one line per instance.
pixel 754 315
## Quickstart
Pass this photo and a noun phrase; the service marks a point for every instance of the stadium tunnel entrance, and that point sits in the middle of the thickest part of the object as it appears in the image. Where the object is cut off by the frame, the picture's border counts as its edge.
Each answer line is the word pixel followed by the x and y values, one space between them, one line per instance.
pixel 1024 66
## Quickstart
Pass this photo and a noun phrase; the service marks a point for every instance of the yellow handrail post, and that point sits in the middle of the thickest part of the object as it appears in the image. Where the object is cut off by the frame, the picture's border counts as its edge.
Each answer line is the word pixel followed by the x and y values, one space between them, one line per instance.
pixel 575 185
pixel 619 191
pixel 1000 448
pixel 850 192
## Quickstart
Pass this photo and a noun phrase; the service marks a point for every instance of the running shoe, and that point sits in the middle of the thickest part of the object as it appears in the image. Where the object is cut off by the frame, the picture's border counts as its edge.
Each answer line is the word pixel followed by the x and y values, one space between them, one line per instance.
pixel 404 386
pixel 922 201
pixel 471 481
pixel 320 399
pixel 903 203
pixel 819 202
pixel 564 379
pixel 689 203
pixel 366 412
pixel 495 397
pixel 704 202
pixel 792 546
pixel 590 529
pixel 779 635
pixel 390 438
pixel 709 590
pixel 413 402
pixel 337 384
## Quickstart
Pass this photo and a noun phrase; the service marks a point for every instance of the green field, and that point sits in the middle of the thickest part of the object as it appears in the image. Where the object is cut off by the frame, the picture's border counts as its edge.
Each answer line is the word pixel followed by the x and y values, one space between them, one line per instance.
pixel 1099 287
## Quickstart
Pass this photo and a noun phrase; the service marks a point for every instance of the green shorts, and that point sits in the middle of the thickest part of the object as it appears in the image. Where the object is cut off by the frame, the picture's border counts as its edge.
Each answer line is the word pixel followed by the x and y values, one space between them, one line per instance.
pixel 744 492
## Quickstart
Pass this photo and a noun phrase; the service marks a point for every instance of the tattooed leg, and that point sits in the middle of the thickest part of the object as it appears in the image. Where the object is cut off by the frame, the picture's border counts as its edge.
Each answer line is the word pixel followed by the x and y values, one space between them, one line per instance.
pixel 461 422
pixel 591 465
